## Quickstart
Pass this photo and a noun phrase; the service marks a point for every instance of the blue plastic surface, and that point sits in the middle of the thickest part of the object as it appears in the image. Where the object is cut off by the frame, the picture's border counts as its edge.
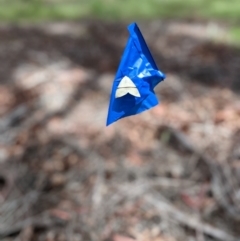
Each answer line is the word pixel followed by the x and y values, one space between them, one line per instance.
pixel 138 64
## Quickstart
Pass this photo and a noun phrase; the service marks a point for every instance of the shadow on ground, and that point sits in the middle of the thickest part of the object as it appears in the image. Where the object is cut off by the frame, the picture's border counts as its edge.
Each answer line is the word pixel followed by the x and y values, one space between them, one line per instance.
pixel 99 45
pixel 169 174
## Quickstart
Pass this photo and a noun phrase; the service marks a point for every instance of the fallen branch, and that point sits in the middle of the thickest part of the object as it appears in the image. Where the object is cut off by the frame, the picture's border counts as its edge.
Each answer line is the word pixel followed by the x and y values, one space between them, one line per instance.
pixel 211 168
pixel 165 208
pixel 35 222
pixel 180 141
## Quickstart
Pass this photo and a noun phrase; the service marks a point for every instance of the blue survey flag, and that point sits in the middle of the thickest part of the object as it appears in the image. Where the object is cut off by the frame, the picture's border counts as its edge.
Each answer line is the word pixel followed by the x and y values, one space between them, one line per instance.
pixel 137 75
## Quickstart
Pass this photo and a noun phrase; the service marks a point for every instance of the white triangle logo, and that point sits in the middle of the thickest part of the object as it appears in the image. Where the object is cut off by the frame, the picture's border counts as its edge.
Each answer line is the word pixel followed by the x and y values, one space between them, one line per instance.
pixel 126 86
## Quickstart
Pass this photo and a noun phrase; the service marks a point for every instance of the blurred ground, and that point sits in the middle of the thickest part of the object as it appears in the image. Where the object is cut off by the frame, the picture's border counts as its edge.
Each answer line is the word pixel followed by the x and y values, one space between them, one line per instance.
pixel 172 173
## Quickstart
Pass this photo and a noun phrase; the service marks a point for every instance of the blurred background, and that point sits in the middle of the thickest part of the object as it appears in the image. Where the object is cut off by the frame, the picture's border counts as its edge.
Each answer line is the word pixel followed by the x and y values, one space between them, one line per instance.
pixel 169 174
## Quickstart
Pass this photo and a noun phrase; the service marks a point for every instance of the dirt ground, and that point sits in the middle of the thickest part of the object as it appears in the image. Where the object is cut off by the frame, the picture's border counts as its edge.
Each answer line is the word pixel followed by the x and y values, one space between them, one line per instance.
pixel 168 174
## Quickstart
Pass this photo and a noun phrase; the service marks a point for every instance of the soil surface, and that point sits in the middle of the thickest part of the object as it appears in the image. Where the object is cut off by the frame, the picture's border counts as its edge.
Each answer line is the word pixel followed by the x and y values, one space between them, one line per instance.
pixel 169 174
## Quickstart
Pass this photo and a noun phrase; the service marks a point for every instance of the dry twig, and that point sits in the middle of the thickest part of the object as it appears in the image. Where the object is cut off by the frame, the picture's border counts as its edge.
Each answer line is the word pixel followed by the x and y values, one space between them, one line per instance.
pixel 166 208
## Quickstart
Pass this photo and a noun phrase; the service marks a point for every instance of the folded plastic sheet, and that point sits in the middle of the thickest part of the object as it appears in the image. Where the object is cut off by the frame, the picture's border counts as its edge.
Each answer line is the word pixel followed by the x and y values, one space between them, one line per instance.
pixel 137 75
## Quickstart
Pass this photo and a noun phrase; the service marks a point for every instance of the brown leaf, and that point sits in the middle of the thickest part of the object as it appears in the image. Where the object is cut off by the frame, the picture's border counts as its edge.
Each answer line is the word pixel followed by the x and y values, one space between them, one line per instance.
pixel 118 237
pixel 63 215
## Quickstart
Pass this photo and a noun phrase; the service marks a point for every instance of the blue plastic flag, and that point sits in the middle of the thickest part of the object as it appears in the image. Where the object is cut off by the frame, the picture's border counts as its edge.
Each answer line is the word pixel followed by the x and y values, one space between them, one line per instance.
pixel 137 75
